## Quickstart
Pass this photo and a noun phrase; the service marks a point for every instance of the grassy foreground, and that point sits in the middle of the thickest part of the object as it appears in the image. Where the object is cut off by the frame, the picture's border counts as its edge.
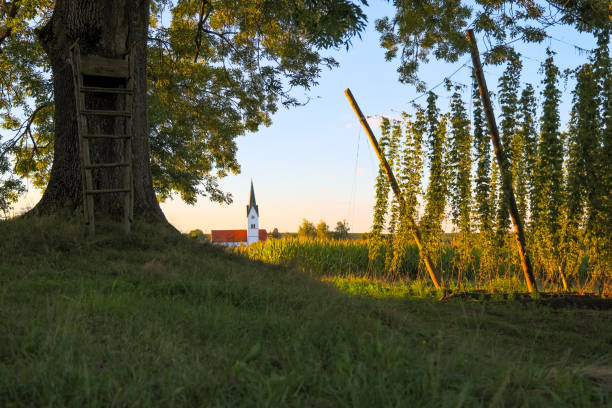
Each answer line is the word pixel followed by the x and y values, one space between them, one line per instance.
pixel 155 319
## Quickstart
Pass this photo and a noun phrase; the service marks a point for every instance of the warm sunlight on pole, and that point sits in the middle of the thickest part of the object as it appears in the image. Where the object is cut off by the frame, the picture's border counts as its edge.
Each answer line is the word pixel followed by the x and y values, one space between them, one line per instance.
pixel 502 163
pixel 396 190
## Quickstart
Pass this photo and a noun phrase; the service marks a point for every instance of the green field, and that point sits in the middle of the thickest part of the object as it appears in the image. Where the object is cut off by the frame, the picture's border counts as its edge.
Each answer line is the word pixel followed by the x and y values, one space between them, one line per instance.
pixel 158 319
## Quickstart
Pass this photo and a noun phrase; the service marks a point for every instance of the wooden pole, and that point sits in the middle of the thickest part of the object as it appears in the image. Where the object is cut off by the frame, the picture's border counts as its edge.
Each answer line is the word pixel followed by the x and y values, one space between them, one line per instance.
pixel 396 190
pixel 502 161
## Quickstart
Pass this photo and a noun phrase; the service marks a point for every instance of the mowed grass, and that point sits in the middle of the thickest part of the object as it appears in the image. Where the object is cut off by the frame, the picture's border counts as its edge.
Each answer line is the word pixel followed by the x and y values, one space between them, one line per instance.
pixel 156 319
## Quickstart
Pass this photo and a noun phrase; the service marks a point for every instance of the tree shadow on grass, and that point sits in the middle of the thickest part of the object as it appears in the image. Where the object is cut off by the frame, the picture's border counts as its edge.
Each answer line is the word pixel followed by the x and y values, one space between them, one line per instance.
pixel 161 319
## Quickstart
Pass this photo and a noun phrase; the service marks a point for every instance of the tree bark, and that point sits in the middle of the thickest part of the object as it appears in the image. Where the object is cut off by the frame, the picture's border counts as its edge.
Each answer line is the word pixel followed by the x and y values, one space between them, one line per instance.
pixel 108 28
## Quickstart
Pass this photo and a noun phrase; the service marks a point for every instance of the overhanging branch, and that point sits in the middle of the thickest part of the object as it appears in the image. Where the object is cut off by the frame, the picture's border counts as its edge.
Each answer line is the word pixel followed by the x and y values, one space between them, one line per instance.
pixel 25 130
pixel 9 10
pixel 203 18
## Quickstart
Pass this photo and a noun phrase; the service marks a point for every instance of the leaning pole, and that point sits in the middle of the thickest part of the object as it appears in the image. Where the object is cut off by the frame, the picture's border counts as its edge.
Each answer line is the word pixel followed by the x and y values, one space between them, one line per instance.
pixel 416 234
pixel 502 162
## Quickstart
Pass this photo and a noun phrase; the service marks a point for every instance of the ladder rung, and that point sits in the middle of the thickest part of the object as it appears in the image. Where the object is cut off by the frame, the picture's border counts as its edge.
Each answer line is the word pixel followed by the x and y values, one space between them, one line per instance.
pixel 108 190
pixel 105 112
pixel 101 136
pixel 102 165
pixel 100 89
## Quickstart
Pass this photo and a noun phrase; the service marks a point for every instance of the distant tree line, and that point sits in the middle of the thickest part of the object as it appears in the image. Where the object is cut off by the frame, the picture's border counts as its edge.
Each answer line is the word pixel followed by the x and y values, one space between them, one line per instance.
pixel 308 230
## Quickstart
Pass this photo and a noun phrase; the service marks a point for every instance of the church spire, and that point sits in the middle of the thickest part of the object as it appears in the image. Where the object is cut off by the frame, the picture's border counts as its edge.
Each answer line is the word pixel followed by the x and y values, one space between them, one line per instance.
pixel 252 203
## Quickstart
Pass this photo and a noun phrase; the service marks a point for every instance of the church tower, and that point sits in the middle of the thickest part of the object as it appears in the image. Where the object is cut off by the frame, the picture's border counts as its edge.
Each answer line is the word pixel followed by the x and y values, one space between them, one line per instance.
pixel 252 218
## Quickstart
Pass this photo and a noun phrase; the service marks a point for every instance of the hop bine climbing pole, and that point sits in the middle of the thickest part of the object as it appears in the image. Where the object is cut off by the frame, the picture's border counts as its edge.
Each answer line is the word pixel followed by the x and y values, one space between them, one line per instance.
pixel 416 234
pixel 111 76
pixel 502 162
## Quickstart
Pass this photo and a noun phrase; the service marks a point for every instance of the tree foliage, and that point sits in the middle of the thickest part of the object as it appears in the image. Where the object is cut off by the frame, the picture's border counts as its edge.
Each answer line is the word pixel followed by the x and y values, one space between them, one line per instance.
pixel 341 230
pixel 323 230
pixel 307 229
pixel 228 66
pixel 421 29
pixel 26 110
pixel 10 188
pixel 275 233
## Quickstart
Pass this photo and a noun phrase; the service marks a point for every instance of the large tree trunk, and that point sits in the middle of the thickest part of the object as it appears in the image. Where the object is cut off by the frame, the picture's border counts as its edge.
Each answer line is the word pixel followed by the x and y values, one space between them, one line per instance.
pixel 109 28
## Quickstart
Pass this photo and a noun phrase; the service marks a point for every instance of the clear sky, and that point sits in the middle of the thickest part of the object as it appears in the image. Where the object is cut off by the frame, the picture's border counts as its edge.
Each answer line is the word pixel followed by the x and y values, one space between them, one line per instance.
pixel 315 161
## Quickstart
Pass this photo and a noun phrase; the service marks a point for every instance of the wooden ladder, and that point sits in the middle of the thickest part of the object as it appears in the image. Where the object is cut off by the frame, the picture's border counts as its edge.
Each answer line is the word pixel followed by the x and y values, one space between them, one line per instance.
pixel 103 69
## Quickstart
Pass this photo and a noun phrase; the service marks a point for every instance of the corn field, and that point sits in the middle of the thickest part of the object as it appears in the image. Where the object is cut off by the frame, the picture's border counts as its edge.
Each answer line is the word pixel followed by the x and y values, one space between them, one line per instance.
pixel 352 258
pixel 315 256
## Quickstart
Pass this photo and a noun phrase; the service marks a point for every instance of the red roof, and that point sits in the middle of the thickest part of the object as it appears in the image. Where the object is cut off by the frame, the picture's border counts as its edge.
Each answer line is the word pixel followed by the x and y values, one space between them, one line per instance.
pixel 234 235
pixel 228 235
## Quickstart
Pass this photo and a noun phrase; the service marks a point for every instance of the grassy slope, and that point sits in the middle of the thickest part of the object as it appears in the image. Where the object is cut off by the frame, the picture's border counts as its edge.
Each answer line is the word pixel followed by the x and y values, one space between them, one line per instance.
pixel 157 320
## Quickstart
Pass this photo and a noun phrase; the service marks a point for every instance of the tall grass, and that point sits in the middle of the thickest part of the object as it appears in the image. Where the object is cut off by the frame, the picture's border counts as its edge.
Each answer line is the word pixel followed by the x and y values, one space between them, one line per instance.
pixel 352 258
pixel 342 257
pixel 324 257
pixel 315 256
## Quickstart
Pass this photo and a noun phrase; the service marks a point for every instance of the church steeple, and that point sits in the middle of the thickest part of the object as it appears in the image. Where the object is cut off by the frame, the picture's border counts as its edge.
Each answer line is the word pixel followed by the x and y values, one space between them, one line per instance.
pixel 252 203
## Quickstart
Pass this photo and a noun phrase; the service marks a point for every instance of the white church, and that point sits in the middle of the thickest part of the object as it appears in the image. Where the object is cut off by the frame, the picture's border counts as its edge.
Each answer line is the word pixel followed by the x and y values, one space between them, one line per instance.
pixel 233 238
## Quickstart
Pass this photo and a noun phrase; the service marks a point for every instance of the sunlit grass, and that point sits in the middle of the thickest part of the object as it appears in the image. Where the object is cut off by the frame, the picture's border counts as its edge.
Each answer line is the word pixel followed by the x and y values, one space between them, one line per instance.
pixel 357 285
pixel 156 319
pixel 353 285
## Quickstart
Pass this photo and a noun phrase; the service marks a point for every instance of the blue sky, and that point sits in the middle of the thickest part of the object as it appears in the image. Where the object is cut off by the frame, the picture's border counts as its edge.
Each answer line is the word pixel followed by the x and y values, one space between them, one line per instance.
pixel 315 162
